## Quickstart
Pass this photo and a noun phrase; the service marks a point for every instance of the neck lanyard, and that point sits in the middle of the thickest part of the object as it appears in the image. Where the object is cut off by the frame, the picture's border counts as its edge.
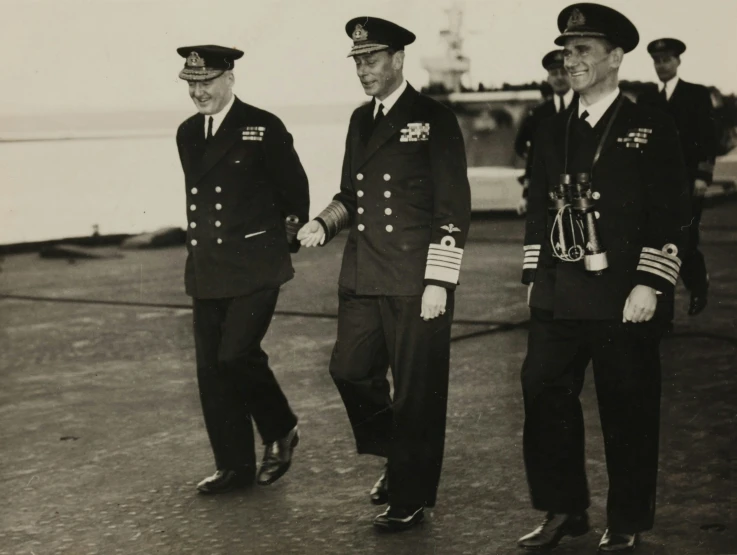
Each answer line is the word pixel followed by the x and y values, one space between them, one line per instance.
pixel 608 128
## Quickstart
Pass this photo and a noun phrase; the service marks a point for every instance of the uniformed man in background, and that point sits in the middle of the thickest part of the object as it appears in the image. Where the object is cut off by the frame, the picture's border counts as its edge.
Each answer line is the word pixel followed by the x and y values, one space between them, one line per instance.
pixel 405 197
pixel 691 108
pixel 560 100
pixel 601 295
pixel 246 196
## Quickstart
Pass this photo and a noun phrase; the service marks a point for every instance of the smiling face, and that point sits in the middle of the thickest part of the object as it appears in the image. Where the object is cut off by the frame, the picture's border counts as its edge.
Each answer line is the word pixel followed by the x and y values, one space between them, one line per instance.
pixel 666 65
pixel 210 97
pixel 380 73
pixel 593 66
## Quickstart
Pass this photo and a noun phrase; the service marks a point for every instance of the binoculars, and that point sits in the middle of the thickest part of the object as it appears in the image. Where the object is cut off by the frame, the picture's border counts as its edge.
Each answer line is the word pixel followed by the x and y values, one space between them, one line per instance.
pixel 575 235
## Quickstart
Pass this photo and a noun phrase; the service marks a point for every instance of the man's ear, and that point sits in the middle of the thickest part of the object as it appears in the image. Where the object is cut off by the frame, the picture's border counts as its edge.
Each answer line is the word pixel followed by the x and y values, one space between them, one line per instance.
pixel 398 60
pixel 617 56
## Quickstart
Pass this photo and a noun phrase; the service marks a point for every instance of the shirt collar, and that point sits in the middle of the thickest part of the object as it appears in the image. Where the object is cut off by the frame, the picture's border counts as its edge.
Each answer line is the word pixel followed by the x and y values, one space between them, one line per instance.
pixel 598 108
pixel 669 86
pixel 390 100
pixel 217 119
pixel 566 98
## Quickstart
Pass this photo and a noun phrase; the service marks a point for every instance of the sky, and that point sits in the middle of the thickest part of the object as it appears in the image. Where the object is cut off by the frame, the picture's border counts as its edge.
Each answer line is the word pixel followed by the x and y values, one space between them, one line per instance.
pixel 120 55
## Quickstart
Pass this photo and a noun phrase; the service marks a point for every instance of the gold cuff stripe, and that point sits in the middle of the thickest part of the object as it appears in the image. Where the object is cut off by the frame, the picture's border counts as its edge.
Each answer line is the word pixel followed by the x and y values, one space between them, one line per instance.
pixel 675 266
pixel 442 274
pixel 658 273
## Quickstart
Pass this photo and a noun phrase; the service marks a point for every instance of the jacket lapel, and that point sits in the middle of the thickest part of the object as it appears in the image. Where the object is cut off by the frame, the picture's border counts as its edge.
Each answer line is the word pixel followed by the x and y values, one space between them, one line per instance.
pixel 192 143
pixel 224 138
pixel 398 117
pixel 359 134
pixel 676 95
pixel 620 125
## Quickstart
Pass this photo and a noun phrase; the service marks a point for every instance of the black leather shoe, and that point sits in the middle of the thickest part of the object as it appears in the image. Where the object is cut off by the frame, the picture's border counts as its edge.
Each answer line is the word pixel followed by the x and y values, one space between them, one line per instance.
pixel 617 541
pixel 380 492
pixel 397 519
pixel 224 481
pixel 277 458
pixel 553 528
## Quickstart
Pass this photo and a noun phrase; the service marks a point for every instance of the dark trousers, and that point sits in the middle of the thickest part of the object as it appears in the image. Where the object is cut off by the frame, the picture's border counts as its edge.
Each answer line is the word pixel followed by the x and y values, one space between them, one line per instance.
pixel 235 381
pixel 626 364
pixel 693 267
pixel 375 333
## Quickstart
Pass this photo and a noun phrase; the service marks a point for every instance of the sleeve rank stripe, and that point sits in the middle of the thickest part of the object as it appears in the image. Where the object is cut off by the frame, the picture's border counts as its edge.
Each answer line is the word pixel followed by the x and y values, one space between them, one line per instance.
pixel 442 274
pixel 658 273
pixel 532 247
pixel 529 266
pixel 657 252
pixel 447 259
pixel 655 266
pixel 444 249
pixel 437 252
pixel 675 264
pixel 442 265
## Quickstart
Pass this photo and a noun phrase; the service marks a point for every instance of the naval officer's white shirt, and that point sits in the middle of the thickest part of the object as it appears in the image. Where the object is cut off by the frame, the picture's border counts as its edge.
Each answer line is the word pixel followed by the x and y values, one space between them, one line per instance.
pixel 217 119
pixel 669 86
pixel 598 108
pixel 566 99
pixel 390 100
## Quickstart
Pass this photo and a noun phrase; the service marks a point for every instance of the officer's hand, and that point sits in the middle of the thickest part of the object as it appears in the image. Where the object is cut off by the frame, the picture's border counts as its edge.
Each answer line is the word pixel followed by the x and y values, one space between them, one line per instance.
pixel 640 305
pixel 529 293
pixel 311 234
pixel 522 207
pixel 433 302
pixel 699 187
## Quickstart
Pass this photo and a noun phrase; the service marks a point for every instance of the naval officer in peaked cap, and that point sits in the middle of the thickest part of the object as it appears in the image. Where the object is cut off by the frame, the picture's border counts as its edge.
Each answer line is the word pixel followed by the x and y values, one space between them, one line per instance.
pixel 690 106
pixel 607 301
pixel 405 201
pixel 563 97
pixel 246 196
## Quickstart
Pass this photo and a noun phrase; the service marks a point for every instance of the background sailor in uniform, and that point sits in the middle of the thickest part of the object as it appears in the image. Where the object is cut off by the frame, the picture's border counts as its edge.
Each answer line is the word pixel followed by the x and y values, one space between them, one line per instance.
pixel 405 197
pixel 246 194
pixel 615 319
pixel 561 99
pixel 691 108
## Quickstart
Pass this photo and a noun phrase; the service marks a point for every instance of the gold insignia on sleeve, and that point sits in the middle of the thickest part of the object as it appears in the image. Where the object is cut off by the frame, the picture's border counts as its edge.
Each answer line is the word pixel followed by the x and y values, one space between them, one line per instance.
pixel 670 249
pixel 359 33
pixel 450 228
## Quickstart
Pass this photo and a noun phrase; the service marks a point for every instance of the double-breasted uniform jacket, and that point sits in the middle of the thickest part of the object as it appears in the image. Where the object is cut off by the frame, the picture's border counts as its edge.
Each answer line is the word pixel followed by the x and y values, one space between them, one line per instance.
pixel 642 200
pixel 691 108
pixel 246 192
pixel 405 195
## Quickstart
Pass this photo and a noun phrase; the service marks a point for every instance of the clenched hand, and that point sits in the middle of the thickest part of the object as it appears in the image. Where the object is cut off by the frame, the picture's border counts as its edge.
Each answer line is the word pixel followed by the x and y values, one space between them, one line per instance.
pixel 640 305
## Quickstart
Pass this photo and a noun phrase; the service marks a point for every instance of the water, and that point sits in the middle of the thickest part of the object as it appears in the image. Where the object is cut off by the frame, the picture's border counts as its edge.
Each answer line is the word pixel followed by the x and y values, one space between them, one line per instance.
pixel 62 188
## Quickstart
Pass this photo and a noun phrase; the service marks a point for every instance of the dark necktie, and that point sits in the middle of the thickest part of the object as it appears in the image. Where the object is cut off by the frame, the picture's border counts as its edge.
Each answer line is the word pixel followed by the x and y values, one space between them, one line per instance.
pixel 209 128
pixel 583 116
pixel 561 104
pixel 663 95
pixel 379 116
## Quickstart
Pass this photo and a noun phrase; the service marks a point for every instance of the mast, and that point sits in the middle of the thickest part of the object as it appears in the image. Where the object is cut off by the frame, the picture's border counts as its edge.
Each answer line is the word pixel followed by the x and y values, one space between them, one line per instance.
pixel 446 70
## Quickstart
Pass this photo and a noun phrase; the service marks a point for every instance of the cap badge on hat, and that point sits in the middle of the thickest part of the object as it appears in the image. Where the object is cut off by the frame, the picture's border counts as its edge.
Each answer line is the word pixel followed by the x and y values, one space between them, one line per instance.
pixel 359 33
pixel 660 44
pixel 195 60
pixel 576 19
